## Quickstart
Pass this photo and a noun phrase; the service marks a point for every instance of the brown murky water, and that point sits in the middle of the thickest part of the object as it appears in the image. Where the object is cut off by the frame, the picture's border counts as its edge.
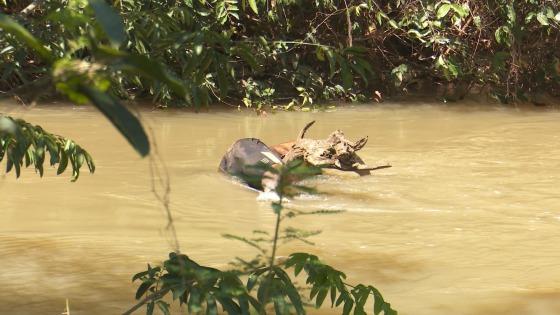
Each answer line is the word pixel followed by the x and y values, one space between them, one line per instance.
pixel 466 222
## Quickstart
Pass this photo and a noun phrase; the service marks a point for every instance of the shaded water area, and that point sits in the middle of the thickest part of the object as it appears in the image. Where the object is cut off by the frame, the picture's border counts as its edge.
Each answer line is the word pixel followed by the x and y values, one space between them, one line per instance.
pixel 467 221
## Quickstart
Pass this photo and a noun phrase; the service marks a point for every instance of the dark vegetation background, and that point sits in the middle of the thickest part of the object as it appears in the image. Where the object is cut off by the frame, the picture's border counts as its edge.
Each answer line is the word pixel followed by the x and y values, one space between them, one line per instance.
pixel 294 53
pixel 260 53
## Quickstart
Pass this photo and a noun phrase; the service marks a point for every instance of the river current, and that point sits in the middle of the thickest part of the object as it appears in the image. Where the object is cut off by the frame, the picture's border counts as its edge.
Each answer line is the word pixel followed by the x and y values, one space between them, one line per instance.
pixel 467 221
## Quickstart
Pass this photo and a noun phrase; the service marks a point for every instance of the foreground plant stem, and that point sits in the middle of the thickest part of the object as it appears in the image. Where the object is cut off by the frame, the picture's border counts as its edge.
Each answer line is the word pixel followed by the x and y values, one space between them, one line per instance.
pixel 149 298
pixel 276 230
pixel 277 207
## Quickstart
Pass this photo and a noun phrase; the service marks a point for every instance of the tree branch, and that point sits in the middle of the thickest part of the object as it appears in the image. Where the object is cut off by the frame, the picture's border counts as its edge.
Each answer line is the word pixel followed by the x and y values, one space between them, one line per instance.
pixel 349 24
pixel 147 299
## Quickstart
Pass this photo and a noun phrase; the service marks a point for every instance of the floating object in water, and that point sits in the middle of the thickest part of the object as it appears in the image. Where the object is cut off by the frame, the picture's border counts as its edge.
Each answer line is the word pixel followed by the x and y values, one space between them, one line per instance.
pixel 249 160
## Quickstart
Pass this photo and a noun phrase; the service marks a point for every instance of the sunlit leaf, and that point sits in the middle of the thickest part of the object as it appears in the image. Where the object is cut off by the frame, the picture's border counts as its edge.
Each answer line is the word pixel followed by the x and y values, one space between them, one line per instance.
pixel 443 10
pixel 543 19
pixel 253 5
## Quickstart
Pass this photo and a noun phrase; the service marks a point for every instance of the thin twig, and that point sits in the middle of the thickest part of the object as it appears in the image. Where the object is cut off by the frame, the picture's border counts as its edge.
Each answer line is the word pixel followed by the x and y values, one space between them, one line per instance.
pixel 161 184
pixel 147 299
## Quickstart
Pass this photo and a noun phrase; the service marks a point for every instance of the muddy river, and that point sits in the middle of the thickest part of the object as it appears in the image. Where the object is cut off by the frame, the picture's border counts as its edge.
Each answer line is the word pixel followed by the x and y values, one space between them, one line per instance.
pixel 467 221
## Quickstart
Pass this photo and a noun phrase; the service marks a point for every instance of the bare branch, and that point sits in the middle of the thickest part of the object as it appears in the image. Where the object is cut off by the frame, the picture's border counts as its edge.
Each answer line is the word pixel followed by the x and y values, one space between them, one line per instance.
pixel 304 130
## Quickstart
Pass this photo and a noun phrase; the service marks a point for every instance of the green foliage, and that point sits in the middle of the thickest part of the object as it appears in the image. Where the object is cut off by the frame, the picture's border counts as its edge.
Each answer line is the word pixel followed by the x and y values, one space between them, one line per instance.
pixel 23 144
pixel 82 67
pixel 325 280
pixel 203 288
pixel 18 31
pixel 196 286
pixel 260 53
pixel 268 287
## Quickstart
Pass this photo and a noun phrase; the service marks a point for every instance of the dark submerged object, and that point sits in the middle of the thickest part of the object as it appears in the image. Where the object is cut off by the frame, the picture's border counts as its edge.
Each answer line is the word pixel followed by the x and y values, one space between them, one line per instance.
pixel 247 160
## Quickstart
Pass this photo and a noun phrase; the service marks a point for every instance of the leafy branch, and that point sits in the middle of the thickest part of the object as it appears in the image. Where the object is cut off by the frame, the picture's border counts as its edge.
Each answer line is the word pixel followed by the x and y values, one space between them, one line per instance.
pixel 23 144
pixel 267 286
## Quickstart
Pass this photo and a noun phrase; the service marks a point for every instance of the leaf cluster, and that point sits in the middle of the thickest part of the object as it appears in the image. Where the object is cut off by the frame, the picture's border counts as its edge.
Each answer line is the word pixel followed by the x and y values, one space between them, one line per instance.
pixel 268 288
pixel 325 280
pixel 82 64
pixel 198 287
pixel 203 289
pixel 23 144
pixel 262 53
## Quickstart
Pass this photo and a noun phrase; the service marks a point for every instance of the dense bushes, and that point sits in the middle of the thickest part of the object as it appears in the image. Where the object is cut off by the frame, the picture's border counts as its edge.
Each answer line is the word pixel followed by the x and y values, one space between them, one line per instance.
pixel 295 52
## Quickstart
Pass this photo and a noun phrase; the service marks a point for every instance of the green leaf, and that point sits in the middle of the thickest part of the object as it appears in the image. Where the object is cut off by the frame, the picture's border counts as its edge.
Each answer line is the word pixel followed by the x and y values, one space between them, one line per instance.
pixel 320 53
pixel 529 17
pixel 63 163
pixel 321 295
pixel 361 71
pixel 347 77
pixel 511 14
pixel 194 304
pixel 417 34
pixel 256 305
pixel 128 125
pixel 89 161
pixel 110 21
pixel 399 72
pixel 229 305
pixel 262 290
pixel 460 10
pixel 280 306
pixel 503 35
pixel 179 291
pixel 211 307
pixel 253 5
pixel 251 281
pixel 247 55
pixel 139 275
pixel 143 288
pixel 542 18
pixel 11 26
pixel 380 15
pixel 333 295
pixel 452 69
pixel 290 290
pixel 150 308
pixel 164 307
pixel 443 10
pixel 9 163
pixel 348 304
pixel 244 304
